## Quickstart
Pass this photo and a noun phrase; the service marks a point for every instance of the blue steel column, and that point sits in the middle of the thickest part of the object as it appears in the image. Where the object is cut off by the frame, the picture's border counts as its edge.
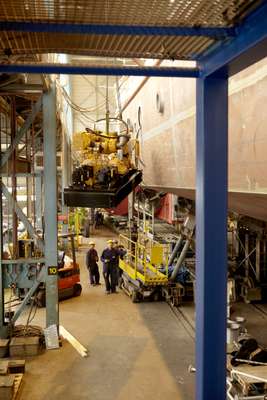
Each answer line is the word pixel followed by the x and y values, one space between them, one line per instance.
pixel 211 237
pixel 50 203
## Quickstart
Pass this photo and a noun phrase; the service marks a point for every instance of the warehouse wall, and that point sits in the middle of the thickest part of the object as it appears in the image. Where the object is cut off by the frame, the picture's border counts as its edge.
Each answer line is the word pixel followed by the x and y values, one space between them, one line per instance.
pixel 168 139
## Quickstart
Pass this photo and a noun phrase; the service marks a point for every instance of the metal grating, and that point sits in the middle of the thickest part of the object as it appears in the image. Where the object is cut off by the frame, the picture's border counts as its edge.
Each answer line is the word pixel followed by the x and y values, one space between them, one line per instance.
pixel 125 12
pixel 179 13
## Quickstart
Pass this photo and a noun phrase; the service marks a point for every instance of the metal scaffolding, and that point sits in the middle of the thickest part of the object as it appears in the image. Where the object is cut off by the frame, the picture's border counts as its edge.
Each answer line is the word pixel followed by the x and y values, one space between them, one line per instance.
pixel 39 216
pixel 217 60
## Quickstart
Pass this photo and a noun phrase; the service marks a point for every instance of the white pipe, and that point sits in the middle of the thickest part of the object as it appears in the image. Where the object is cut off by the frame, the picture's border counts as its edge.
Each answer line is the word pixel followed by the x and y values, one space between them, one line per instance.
pixel 237 372
pixel 257 397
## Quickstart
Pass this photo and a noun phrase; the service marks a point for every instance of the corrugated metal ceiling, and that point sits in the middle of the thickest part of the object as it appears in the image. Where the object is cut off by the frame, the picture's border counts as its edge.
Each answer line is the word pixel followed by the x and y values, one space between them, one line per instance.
pixel 193 13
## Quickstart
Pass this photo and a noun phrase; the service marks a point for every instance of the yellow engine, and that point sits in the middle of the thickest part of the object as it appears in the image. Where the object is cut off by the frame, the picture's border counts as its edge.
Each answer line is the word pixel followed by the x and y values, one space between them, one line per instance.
pixel 103 158
pixel 105 171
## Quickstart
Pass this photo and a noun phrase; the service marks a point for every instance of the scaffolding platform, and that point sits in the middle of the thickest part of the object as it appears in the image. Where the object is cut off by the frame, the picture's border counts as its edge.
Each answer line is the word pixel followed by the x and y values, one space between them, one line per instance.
pixel 143 275
pixel 148 275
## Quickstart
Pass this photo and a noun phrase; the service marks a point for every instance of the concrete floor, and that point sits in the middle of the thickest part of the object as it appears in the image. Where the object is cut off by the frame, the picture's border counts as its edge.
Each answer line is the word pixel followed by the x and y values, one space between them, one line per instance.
pixel 137 351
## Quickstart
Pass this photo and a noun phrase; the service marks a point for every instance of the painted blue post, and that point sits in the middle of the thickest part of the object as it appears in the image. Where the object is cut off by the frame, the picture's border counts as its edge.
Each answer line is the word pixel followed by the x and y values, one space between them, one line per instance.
pixel 50 204
pixel 211 237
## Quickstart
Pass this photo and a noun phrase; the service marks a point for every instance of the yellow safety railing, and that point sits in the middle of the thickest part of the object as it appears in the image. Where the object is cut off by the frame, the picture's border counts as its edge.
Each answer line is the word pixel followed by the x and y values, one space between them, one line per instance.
pixel 153 247
pixel 141 263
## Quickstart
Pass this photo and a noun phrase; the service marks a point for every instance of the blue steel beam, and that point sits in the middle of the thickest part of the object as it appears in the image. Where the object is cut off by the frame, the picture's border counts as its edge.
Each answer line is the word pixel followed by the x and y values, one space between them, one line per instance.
pixel 211 238
pixel 72 69
pixel 132 30
pixel 238 53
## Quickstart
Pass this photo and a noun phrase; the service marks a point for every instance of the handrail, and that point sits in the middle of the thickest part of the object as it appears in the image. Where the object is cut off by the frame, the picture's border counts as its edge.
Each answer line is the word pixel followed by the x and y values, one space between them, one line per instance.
pixel 139 255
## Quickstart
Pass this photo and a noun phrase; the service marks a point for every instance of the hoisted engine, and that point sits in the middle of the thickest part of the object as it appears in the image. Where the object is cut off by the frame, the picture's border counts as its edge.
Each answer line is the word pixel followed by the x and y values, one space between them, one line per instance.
pixel 105 173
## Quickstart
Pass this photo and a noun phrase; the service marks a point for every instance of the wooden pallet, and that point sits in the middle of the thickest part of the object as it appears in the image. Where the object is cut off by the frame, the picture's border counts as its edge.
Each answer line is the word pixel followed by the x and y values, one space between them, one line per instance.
pixel 17 385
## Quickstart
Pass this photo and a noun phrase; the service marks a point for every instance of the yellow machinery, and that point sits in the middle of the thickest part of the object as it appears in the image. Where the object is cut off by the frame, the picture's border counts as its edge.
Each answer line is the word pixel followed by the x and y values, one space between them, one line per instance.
pixel 106 155
pixel 145 272
pixel 105 173
pixel 143 263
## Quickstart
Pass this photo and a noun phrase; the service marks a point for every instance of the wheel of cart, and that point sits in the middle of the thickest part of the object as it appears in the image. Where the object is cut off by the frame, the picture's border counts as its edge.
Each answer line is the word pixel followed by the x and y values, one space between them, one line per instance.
pixel 77 289
pixel 135 296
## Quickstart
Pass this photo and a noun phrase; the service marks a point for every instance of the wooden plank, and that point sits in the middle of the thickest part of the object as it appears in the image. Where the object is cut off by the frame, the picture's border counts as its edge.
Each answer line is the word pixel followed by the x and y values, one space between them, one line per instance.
pixel 73 341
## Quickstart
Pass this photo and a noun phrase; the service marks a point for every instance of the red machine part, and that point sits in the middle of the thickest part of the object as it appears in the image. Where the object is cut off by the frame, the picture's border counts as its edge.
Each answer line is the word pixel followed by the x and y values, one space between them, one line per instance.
pixel 165 211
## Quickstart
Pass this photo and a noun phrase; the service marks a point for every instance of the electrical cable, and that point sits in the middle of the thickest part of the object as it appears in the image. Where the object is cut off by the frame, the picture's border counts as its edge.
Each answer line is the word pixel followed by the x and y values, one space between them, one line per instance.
pixel 79 108
pixel 118 97
pixel 82 113
pixel 74 106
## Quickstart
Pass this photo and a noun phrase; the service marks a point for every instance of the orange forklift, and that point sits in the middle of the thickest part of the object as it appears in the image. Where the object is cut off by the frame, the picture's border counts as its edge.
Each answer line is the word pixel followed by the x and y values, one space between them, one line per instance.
pixel 68 275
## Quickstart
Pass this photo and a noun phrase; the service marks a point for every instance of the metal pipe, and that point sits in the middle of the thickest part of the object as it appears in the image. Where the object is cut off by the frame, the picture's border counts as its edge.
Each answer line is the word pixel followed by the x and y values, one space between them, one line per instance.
pixel 175 250
pixel 180 259
pixel 250 362
pixel 123 139
pixel 257 397
pixel 238 372
pixel 229 388
pixel 118 97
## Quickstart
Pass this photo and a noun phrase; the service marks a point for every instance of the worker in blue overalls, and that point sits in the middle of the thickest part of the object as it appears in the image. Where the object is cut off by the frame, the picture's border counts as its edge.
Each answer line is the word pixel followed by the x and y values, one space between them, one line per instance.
pixel 109 259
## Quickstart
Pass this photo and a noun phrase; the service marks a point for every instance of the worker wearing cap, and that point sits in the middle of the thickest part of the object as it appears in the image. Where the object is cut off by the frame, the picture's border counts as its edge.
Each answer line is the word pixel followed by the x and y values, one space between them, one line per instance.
pixel 109 257
pixel 120 253
pixel 92 266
